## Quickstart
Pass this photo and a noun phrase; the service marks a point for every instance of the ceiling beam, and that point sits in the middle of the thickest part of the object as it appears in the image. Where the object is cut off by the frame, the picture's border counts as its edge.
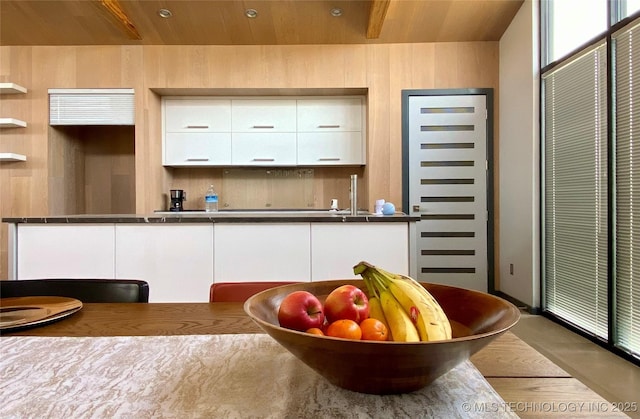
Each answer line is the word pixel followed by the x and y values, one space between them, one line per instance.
pixel 376 17
pixel 121 18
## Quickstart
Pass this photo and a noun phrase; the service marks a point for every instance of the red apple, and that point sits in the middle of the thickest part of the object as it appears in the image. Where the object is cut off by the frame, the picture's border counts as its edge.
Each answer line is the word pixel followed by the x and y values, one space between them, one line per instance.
pixel 346 302
pixel 300 310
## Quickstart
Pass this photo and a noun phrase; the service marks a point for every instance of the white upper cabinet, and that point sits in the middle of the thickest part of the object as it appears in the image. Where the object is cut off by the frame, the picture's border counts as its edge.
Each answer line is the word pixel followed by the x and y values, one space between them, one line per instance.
pixel 263 115
pixel 261 131
pixel 264 149
pixel 264 132
pixel 330 149
pixel 197 132
pixel 330 131
pixel 197 115
pixel 329 114
pixel 197 149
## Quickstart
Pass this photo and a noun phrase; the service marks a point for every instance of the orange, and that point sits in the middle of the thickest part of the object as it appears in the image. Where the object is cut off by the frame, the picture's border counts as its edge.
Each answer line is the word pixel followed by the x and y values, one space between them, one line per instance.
pixel 344 328
pixel 373 329
pixel 315 331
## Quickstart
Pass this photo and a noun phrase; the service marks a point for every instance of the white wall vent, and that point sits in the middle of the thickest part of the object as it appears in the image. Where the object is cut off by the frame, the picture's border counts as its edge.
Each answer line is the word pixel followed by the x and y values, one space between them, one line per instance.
pixel 91 107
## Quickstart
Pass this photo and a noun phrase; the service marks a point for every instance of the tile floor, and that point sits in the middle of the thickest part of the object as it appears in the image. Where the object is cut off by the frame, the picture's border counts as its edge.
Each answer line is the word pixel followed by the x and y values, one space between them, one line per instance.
pixel 609 375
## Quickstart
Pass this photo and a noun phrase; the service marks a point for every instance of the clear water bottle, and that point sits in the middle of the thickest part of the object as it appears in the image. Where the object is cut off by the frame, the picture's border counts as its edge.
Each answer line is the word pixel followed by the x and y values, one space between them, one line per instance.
pixel 211 200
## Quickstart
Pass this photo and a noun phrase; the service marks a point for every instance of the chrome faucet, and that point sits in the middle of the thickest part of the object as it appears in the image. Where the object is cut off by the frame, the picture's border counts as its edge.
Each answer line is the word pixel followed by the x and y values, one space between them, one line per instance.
pixel 353 195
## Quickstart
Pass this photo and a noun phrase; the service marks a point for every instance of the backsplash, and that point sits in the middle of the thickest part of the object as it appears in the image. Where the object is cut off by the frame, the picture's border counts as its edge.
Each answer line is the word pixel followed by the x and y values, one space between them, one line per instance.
pixel 267 188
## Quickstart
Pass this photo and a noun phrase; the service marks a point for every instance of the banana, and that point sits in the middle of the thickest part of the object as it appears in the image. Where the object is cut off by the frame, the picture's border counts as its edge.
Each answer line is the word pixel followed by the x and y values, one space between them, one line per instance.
pixel 440 314
pixel 376 312
pixel 400 324
pixel 422 311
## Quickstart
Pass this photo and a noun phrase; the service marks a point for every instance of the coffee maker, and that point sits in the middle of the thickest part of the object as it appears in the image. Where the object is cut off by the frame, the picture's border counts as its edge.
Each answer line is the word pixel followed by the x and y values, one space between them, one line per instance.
pixel 178 196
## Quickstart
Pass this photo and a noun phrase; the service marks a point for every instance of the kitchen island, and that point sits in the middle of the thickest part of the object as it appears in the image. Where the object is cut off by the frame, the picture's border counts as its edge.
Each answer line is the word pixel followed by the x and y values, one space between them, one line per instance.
pixel 182 254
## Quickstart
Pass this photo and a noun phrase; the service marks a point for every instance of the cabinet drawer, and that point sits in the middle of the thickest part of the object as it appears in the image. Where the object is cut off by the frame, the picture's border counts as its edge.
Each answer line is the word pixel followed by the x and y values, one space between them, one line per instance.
pixel 326 115
pixel 197 115
pixel 253 149
pixel 197 149
pixel 330 148
pixel 268 115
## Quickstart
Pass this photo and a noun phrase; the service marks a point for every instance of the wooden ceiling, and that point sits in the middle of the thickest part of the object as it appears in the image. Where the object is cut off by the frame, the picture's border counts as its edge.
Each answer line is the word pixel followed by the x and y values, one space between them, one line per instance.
pixel 279 22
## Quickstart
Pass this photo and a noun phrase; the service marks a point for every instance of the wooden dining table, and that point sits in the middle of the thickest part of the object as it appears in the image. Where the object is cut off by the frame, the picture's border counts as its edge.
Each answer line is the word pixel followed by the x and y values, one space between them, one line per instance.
pixel 530 384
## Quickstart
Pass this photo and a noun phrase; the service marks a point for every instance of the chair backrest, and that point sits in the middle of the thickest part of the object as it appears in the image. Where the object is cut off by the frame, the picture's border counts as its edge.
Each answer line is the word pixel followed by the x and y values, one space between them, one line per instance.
pixel 85 290
pixel 239 292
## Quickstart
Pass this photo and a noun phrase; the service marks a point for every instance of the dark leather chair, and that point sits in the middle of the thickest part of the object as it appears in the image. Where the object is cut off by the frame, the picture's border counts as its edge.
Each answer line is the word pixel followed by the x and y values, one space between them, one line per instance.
pixel 85 290
pixel 239 292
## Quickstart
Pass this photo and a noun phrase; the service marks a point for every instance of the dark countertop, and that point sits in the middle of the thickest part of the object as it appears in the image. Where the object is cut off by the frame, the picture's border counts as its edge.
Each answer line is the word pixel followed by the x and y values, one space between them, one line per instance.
pixel 215 217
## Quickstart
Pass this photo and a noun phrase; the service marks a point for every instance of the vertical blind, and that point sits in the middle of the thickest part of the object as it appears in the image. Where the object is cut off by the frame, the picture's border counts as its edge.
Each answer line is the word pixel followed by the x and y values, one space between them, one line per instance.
pixel 575 191
pixel 627 117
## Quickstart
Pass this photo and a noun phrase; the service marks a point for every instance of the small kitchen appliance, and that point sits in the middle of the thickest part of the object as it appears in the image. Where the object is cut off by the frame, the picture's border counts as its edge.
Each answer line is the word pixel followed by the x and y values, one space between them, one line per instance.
pixel 178 196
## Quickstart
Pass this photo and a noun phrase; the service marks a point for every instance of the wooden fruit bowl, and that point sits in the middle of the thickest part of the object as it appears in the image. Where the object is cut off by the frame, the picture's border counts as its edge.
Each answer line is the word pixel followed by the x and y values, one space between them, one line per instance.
pixel 388 367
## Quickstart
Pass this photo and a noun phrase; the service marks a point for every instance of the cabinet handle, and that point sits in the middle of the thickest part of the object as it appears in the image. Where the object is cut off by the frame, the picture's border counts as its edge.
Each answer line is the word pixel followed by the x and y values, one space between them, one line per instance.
pixel 197 126
pixel 263 159
pixel 328 126
pixel 329 159
pixel 263 126
pixel 198 159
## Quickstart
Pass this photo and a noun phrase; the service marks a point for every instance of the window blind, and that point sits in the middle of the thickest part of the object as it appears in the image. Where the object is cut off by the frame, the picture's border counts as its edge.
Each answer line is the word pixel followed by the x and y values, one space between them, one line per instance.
pixel 575 191
pixel 627 106
pixel 91 107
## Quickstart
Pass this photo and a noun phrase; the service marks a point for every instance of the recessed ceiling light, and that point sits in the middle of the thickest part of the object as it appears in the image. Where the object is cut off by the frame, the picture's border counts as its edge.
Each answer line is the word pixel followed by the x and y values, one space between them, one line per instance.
pixel 335 12
pixel 164 13
pixel 251 13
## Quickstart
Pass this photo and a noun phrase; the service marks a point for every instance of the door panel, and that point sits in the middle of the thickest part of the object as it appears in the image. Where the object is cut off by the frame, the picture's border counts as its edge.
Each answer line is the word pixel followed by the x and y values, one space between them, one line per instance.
pixel 447 187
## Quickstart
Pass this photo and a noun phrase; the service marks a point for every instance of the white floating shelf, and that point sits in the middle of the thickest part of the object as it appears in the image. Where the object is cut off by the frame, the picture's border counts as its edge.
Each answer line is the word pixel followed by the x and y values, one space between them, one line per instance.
pixel 11 88
pixel 12 157
pixel 12 123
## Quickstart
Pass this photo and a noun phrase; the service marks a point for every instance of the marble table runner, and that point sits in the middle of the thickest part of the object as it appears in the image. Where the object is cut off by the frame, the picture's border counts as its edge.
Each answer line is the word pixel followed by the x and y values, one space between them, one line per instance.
pixel 206 376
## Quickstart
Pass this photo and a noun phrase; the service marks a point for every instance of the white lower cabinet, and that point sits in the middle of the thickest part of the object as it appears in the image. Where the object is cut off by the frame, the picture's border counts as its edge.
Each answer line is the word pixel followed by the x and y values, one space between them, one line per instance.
pixel 176 260
pixel 65 251
pixel 181 261
pixel 337 248
pixel 262 252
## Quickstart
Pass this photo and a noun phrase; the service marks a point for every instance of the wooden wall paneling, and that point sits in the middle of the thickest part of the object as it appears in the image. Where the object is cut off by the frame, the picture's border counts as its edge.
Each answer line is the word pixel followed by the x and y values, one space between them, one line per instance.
pixel 17 189
pixel 379 162
pixel 109 178
pixel 66 171
pixel 123 175
pixel 383 70
pixel 152 179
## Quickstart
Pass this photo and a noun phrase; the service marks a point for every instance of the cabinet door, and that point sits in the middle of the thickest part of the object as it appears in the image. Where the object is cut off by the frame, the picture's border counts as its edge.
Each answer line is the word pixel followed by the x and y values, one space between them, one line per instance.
pixel 197 115
pixel 197 149
pixel 336 248
pixel 327 115
pixel 330 148
pixel 263 115
pixel 176 260
pixel 262 252
pixel 266 149
pixel 65 251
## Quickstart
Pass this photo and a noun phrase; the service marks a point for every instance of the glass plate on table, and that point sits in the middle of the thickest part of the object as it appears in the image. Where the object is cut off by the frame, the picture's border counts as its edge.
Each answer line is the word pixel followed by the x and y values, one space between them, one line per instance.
pixel 23 312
